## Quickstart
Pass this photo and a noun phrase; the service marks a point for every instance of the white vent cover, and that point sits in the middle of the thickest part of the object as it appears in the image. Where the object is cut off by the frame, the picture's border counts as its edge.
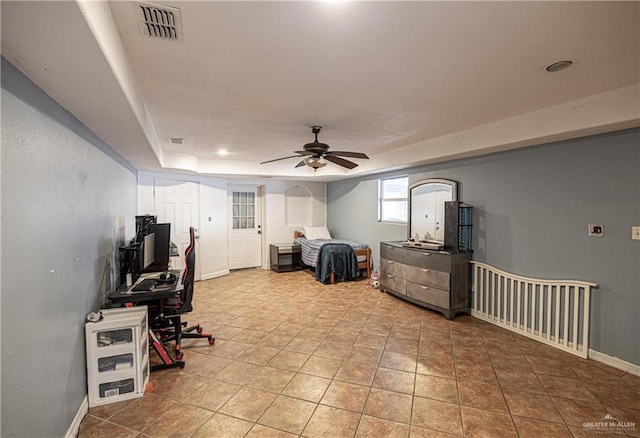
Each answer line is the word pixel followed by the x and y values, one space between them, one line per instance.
pixel 159 21
pixel 176 140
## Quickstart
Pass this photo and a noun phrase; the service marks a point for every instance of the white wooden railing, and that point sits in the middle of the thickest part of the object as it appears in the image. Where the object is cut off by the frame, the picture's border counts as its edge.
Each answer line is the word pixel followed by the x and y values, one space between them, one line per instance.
pixel 555 312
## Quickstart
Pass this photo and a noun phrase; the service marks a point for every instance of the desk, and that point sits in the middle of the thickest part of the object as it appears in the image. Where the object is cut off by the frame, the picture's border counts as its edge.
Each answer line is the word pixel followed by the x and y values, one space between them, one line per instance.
pixel 124 295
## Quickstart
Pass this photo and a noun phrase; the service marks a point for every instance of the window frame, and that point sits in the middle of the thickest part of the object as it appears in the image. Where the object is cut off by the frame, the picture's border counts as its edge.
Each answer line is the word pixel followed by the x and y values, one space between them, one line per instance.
pixel 382 200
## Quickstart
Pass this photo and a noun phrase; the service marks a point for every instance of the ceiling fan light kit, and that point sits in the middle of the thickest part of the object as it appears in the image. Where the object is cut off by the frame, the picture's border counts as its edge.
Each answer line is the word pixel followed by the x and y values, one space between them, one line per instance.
pixel 314 162
pixel 320 154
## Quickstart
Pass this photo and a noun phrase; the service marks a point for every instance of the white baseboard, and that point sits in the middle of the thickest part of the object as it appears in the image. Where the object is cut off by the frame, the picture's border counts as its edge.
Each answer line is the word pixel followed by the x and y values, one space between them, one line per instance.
pixel 214 274
pixel 615 362
pixel 75 425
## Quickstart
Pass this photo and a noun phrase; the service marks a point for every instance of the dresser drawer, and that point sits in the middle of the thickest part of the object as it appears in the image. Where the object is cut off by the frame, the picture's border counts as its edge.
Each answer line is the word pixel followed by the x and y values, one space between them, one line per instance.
pixel 429 295
pixel 397 254
pixel 393 268
pixel 428 277
pixel 429 260
pixel 397 284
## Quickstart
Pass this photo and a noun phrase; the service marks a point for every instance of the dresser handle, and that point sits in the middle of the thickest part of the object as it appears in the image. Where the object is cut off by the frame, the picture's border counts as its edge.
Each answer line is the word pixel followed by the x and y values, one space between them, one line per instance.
pixel 390 262
pixel 424 287
pixel 425 270
pixel 426 254
pixel 389 275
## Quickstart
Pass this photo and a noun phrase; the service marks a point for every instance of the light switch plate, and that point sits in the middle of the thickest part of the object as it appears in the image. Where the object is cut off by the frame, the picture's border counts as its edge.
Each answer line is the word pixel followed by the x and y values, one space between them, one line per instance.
pixel 635 233
pixel 596 230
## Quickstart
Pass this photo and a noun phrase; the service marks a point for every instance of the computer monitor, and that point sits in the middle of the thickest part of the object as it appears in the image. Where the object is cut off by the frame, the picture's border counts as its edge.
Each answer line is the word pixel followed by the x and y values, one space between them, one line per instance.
pixel 148 250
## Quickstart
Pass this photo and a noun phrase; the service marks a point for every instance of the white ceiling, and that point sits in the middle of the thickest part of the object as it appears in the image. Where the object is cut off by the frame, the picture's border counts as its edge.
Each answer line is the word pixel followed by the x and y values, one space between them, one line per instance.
pixel 405 82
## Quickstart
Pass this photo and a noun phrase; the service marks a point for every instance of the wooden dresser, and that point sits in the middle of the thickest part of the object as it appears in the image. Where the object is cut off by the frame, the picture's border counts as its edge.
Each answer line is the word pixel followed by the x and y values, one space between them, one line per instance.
pixel 437 280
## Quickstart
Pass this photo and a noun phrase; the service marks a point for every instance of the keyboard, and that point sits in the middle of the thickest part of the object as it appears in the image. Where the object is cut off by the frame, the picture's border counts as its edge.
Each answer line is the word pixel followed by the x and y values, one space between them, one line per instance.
pixel 145 285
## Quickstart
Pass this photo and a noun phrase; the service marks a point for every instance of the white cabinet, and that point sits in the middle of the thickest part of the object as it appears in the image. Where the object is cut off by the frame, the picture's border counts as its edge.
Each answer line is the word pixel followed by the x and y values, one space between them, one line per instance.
pixel 117 355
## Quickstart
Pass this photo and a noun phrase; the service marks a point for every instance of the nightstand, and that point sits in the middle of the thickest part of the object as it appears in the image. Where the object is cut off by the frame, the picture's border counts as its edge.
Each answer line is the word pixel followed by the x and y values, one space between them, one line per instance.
pixel 286 257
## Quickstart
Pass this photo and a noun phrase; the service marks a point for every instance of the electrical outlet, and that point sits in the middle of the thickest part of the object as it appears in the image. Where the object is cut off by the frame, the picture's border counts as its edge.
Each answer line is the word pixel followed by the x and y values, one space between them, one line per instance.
pixel 596 230
pixel 635 233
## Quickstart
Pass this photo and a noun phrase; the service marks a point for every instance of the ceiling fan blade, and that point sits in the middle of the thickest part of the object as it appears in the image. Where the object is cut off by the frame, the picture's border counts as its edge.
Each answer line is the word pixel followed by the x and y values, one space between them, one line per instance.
pixel 304 152
pixel 278 159
pixel 341 161
pixel 349 154
pixel 300 164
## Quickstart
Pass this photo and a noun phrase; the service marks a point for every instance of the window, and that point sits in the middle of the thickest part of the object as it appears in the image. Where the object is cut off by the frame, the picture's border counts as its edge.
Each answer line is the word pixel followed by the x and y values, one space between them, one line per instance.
pixel 392 199
pixel 244 210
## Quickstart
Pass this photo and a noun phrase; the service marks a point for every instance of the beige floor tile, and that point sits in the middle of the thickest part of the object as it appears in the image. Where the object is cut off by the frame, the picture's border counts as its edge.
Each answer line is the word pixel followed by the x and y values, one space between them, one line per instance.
pixel 223 426
pixel 276 340
pixel 358 373
pixel 394 380
pixel 105 429
pixel 345 395
pixel 371 427
pixel 212 395
pixel 321 366
pixel 576 412
pixel 437 388
pixel 327 421
pixel 260 431
pixel 248 404
pixel 388 405
pixel 106 411
pixel 288 360
pixel 370 344
pixel 271 379
pixel 303 345
pixel 399 361
pixel 530 428
pixel 258 355
pixel 371 341
pixel 481 396
pixel 238 372
pixel 183 421
pixel 481 423
pixel 288 414
pixel 422 432
pixel 249 336
pixel 436 415
pixel 180 387
pixel 307 387
pixel 366 355
pixel 400 345
pixel 230 349
pixel 207 366
pixel 333 350
pixel 436 366
pixel 471 372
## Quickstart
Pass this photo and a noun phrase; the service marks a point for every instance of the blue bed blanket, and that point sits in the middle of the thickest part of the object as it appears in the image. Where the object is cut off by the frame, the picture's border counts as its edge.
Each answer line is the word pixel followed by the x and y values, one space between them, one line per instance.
pixel 311 248
pixel 338 258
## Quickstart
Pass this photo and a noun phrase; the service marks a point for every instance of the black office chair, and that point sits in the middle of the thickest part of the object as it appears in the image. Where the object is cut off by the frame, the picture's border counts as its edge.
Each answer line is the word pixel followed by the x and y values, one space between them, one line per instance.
pixel 176 307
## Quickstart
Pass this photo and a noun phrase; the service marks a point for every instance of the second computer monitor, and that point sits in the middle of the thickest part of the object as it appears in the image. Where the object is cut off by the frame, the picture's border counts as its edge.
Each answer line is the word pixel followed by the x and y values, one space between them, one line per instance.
pixel 148 250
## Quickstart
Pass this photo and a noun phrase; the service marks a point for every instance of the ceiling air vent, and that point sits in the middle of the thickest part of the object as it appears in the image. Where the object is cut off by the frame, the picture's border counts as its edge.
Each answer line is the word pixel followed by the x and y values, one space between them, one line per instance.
pixel 159 21
pixel 176 140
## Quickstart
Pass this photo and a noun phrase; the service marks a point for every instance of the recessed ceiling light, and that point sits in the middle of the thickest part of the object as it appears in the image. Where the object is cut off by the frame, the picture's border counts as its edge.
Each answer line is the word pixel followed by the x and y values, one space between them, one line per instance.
pixel 223 152
pixel 559 65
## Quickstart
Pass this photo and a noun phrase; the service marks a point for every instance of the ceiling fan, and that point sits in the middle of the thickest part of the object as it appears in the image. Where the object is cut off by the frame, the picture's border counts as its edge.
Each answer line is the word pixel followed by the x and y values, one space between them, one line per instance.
pixel 317 154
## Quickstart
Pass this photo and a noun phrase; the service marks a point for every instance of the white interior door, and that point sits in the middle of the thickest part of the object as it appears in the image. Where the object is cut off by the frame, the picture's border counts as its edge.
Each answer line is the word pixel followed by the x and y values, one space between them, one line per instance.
pixel 176 202
pixel 245 227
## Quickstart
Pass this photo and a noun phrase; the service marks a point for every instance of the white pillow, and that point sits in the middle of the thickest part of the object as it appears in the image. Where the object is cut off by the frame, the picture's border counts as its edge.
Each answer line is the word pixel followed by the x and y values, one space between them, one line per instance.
pixel 313 233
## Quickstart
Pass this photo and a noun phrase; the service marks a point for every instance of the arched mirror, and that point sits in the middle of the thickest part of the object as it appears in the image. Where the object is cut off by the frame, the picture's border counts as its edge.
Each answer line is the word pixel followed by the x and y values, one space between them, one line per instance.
pixel 426 208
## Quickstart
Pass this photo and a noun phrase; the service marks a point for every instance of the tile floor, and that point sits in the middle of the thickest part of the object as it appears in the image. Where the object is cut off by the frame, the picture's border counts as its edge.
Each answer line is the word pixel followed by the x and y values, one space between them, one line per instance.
pixel 294 358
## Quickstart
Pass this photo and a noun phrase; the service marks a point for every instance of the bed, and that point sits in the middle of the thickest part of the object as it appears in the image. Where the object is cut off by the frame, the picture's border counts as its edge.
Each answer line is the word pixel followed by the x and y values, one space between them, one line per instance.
pixel 312 248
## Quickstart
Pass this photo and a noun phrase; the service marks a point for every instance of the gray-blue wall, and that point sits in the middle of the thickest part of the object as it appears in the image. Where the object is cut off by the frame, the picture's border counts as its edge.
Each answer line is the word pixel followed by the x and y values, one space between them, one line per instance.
pixel 68 201
pixel 531 212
